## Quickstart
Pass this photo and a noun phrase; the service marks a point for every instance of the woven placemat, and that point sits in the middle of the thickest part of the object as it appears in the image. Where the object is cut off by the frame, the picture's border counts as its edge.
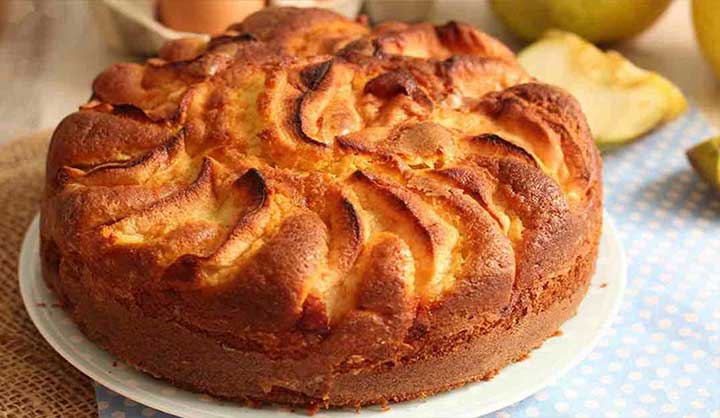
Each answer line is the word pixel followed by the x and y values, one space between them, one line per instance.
pixel 34 380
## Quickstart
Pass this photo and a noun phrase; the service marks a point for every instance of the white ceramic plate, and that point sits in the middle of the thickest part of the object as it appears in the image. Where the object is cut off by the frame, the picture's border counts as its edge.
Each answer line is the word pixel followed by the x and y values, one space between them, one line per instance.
pixel 512 384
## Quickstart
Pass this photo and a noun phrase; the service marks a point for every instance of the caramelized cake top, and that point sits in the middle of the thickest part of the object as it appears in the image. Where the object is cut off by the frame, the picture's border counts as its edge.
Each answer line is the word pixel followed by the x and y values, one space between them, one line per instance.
pixel 302 174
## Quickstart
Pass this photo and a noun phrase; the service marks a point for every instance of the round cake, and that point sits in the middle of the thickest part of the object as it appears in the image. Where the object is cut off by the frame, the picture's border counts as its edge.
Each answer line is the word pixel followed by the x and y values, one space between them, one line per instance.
pixel 308 210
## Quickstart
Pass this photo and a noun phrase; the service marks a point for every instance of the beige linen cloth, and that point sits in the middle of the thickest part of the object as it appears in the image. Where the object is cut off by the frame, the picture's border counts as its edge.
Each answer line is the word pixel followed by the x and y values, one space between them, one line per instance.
pixel 34 380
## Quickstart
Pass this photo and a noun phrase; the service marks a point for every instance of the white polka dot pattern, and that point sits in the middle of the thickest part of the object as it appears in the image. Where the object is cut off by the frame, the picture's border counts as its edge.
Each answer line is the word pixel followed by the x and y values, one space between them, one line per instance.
pixel 661 357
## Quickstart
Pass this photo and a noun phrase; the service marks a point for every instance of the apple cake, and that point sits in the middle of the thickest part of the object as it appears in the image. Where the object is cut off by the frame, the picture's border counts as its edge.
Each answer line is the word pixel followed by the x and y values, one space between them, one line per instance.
pixel 312 211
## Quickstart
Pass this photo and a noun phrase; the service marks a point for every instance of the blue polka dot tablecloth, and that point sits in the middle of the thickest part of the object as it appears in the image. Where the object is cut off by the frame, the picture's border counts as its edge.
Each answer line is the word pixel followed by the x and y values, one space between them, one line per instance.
pixel 661 356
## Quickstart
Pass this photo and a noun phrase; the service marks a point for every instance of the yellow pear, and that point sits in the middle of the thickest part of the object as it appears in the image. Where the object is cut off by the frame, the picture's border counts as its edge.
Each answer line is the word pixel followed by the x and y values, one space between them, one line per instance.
pixel 706 16
pixel 620 100
pixel 598 21
pixel 705 159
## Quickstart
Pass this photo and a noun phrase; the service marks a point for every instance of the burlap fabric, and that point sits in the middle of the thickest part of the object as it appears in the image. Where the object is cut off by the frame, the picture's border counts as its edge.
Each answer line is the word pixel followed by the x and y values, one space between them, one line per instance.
pixel 34 380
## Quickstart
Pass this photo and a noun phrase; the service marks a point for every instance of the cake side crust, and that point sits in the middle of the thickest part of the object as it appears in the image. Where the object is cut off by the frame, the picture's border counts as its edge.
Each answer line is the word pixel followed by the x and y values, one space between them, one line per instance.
pixel 197 362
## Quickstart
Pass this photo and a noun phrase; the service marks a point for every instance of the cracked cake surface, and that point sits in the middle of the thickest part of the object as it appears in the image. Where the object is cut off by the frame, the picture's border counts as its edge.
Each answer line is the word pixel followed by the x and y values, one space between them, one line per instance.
pixel 309 210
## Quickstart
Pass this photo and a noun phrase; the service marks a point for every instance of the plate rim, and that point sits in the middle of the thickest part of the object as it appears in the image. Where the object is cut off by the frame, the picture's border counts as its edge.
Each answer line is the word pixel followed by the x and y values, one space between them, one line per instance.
pixel 29 255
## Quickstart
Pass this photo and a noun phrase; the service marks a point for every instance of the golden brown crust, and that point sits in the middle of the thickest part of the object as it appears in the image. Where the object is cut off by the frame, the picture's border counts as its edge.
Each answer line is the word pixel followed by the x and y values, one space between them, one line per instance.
pixel 324 212
pixel 303 32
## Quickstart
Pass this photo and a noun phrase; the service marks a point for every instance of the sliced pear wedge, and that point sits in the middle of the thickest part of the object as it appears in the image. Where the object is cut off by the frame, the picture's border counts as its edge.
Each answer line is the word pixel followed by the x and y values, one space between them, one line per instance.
pixel 705 159
pixel 620 100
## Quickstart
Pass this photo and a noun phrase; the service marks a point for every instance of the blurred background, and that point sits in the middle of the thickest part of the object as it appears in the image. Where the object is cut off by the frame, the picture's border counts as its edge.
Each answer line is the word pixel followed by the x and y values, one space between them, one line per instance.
pixel 50 50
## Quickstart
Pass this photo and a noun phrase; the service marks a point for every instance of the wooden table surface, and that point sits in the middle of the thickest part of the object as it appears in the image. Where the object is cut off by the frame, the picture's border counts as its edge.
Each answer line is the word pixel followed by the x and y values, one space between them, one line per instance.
pixel 51 50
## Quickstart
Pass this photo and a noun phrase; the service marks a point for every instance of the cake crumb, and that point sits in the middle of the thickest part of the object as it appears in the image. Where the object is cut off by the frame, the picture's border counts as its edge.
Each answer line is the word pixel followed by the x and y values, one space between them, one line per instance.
pixel 384 406
pixel 557 333
pixel 603 285
pixel 114 363
pixel 313 409
pixel 494 372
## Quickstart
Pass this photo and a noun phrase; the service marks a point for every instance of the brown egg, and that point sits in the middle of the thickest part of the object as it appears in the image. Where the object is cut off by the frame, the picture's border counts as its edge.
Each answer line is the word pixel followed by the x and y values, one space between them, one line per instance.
pixel 205 16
